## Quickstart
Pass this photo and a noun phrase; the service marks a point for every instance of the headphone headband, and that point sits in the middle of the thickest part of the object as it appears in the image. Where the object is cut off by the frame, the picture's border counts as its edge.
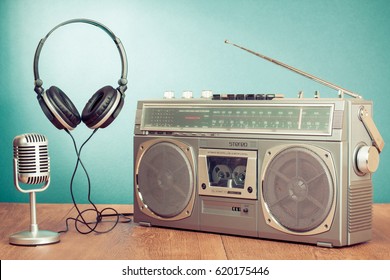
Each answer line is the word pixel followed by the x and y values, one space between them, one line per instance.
pixel 122 81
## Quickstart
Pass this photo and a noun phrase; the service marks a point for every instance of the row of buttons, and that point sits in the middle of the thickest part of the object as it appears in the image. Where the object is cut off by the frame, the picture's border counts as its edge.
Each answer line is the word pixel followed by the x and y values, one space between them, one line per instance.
pixel 246 96
pixel 208 94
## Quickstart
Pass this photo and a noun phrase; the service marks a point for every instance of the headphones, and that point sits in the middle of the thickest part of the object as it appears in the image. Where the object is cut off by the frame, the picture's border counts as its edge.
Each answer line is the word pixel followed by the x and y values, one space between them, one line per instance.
pixel 102 108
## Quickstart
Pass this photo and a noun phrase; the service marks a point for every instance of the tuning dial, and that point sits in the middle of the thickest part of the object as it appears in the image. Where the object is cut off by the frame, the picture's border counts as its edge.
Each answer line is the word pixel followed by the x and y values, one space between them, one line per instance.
pixel 367 159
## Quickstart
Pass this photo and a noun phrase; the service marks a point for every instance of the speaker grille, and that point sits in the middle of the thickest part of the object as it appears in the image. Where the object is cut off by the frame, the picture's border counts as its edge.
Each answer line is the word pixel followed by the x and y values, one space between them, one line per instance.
pixel 165 179
pixel 298 189
pixel 360 207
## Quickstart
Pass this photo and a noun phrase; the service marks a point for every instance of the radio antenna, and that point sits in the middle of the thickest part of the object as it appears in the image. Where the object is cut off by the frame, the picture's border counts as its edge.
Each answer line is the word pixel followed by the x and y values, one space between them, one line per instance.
pixel 300 72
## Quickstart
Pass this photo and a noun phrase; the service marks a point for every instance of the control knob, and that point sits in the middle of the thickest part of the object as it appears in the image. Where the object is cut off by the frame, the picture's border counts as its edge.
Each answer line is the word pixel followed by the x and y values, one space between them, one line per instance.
pixel 187 94
pixel 207 94
pixel 169 95
pixel 367 159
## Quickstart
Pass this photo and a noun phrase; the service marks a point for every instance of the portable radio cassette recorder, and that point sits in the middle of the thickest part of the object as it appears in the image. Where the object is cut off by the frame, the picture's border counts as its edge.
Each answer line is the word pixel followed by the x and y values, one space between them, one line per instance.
pixel 258 165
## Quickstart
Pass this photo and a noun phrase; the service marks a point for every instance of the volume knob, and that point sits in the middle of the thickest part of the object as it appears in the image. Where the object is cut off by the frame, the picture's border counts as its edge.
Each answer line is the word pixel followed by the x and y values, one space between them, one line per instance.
pixel 367 159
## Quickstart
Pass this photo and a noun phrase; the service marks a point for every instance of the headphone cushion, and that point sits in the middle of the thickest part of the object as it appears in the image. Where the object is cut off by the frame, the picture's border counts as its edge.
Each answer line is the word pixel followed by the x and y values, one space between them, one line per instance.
pixel 63 106
pixel 99 106
pixel 48 113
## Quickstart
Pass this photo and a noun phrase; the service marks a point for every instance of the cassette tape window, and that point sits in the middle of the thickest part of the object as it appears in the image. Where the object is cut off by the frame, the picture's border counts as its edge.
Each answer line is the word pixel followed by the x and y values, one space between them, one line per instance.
pixel 227 172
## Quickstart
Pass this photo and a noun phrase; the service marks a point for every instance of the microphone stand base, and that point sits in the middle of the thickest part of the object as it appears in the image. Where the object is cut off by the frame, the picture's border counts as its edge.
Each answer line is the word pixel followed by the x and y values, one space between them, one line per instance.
pixel 41 237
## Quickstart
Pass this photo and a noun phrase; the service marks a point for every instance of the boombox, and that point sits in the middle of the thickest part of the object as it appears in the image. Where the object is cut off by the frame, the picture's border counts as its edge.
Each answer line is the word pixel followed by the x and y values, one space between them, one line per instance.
pixel 257 165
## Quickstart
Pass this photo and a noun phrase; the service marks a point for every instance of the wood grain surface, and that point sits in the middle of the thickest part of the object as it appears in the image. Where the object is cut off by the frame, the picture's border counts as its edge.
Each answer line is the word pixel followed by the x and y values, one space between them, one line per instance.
pixel 128 241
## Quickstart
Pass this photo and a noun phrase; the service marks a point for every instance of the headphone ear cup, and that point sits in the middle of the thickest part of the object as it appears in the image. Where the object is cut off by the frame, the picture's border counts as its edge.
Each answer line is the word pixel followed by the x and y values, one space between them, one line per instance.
pixel 103 107
pixel 63 110
pixel 48 112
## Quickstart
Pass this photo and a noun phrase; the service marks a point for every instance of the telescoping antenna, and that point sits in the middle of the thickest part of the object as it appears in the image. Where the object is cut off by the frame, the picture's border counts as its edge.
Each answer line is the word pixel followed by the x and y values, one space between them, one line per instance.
pixel 341 90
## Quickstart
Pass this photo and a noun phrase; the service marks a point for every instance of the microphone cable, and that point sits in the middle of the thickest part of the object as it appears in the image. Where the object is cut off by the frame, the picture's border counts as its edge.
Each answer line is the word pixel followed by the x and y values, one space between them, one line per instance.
pixel 91 226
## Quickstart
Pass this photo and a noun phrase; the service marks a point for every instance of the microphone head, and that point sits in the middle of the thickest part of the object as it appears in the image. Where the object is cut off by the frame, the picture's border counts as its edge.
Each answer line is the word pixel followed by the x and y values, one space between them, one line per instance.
pixel 31 156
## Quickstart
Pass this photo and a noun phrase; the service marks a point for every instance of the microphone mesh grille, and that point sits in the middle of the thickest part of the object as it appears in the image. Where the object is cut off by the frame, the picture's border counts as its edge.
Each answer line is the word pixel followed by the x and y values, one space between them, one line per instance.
pixel 31 153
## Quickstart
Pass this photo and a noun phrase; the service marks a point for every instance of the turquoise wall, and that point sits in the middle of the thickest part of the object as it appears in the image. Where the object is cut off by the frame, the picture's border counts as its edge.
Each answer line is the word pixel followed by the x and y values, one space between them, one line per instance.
pixel 178 45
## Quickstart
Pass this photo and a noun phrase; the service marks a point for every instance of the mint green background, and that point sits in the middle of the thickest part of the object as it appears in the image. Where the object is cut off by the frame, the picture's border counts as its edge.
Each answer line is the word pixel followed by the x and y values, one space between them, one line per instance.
pixel 178 45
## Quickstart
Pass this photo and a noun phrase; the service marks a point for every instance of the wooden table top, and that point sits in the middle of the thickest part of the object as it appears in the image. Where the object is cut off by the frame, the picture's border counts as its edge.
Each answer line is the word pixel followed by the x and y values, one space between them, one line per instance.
pixel 129 241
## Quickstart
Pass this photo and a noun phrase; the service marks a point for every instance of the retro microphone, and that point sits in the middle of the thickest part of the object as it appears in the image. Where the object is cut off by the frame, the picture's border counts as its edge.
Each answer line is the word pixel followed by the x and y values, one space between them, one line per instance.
pixel 32 167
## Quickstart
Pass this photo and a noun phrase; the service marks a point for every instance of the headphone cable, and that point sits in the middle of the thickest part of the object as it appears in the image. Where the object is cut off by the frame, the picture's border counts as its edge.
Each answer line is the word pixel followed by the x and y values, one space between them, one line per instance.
pixel 92 226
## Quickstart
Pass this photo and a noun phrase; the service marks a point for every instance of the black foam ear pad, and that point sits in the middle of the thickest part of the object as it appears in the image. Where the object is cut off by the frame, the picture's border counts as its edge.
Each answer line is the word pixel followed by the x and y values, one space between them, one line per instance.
pixel 99 112
pixel 61 108
pixel 48 113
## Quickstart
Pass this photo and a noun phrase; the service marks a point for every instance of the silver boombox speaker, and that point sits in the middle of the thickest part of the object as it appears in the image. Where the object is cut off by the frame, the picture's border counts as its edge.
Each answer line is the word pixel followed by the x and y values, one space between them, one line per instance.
pixel 258 165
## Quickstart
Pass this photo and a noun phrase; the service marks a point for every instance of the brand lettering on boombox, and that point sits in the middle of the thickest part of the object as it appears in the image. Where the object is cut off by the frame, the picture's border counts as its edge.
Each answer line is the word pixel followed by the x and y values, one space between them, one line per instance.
pixel 238 144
